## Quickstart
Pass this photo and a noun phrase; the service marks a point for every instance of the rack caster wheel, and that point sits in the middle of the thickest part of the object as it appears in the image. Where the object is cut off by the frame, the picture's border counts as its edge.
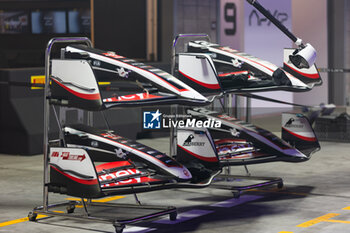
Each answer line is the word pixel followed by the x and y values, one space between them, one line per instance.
pixel 32 216
pixel 118 228
pixel 70 208
pixel 280 185
pixel 173 216
pixel 236 194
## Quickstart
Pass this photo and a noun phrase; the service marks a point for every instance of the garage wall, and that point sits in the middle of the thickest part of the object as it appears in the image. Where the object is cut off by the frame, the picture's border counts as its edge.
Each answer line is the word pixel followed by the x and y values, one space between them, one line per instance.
pixel 309 22
pixel 120 26
pixel 196 16
pixel 264 40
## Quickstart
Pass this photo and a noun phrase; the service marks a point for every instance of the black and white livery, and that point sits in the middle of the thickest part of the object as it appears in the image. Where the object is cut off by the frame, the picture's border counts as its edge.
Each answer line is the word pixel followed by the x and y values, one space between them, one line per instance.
pixel 240 143
pixel 213 69
pixel 75 82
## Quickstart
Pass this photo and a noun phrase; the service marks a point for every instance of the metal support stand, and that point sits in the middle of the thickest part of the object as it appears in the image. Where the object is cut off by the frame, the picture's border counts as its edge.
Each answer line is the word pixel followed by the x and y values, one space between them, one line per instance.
pixel 174 108
pixel 85 208
pixel 246 170
pixel 117 223
pixel 266 181
pixel 248 110
pixel 173 132
pixel 237 189
pixel 47 108
pixel 237 107
pixel 137 199
pixel 105 120
pixel 227 103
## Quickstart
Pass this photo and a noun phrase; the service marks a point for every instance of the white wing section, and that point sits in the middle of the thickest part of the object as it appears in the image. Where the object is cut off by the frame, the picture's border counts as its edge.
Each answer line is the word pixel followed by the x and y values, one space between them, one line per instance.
pixel 186 91
pixel 199 68
pixel 77 75
pixel 181 172
pixel 73 159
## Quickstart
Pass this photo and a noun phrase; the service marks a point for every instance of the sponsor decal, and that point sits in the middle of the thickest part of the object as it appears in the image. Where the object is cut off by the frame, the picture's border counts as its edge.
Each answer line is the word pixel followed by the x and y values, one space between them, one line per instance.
pixel 188 141
pixel 111 136
pixel 289 122
pixel 94 143
pixel 55 154
pixel 113 54
pixel 96 63
pixel 157 120
pixel 121 173
pixel 68 156
pixel 133 97
pixel 292 123
pixel 227 49
pixel 225 117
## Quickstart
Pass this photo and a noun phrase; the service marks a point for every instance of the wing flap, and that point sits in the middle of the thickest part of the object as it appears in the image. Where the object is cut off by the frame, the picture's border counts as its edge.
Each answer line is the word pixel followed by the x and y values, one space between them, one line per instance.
pixel 116 174
pixel 241 72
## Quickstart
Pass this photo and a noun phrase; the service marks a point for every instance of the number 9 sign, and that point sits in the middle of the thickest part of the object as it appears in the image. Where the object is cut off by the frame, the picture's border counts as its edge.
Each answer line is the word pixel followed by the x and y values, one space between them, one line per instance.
pixel 230 12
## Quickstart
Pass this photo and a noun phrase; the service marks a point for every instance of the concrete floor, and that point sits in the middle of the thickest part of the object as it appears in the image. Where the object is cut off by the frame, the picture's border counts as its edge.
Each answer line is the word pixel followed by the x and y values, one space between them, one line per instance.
pixel 314 199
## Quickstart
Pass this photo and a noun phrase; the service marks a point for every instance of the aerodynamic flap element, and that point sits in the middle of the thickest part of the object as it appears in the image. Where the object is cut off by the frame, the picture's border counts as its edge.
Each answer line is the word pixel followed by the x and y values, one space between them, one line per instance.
pixel 309 76
pixel 297 131
pixel 198 71
pixel 74 81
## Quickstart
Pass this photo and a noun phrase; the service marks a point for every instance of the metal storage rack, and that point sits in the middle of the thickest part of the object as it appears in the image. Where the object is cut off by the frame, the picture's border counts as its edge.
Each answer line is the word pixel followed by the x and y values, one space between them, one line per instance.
pixel 227 100
pixel 45 209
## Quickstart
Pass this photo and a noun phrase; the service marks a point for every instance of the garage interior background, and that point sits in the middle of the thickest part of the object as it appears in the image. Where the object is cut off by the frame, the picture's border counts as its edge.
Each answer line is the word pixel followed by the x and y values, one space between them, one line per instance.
pixel 144 30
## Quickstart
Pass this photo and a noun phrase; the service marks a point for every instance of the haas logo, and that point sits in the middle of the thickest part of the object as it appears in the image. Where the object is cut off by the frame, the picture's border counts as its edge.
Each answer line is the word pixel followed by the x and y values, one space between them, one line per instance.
pixel 289 122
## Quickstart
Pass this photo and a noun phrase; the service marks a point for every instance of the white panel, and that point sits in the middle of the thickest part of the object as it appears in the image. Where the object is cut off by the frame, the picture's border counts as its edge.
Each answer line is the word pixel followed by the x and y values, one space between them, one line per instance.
pixel 151 76
pixel 73 159
pixel 198 144
pixel 197 68
pixel 76 72
pixel 287 52
pixel 297 125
